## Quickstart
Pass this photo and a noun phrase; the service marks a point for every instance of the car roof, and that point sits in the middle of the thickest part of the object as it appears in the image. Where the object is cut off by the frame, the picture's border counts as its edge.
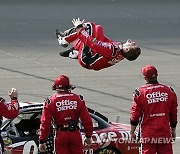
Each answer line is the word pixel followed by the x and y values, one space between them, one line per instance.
pixel 29 107
pixel 38 105
pixel 30 104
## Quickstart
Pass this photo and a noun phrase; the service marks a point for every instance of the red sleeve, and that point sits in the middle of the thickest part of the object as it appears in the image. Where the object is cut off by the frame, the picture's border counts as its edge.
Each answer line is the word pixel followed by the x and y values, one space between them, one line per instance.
pixel 103 48
pixel 136 110
pixel 84 37
pixel 173 111
pixel 72 37
pixel 9 110
pixel 90 29
pixel 45 125
pixel 86 120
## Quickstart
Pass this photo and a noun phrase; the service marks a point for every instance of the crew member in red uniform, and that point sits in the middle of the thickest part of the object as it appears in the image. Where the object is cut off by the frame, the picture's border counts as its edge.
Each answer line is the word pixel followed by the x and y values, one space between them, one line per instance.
pixel 156 105
pixel 8 110
pixel 95 50
pixel 65 108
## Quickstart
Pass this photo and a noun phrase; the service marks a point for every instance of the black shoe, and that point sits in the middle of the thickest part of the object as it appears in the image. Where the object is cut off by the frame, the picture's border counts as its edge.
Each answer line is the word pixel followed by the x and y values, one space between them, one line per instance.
pixel 59 33
pixel 66 52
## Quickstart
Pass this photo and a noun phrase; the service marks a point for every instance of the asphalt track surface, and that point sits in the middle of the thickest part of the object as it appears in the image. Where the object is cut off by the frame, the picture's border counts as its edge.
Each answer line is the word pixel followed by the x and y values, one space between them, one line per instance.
pixel 29 59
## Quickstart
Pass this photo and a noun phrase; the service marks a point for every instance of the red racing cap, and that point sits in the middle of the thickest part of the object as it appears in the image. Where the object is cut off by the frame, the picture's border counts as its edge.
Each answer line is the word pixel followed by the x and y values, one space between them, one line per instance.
pixel 61 82
pixel 149 71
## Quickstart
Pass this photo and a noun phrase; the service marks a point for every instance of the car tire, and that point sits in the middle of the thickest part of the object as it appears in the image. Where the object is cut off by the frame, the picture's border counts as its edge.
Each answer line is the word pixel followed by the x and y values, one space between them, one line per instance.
pixel 107 150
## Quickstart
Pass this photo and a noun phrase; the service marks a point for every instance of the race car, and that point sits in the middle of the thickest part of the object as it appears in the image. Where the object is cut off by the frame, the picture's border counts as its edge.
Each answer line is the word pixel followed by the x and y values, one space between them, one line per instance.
pixel 20 135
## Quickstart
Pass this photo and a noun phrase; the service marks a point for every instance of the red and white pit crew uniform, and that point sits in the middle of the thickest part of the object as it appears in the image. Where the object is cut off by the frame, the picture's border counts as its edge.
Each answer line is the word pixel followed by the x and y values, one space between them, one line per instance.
pixel 102 51
pixel 62 107
pixel 156 106
pixel 8 110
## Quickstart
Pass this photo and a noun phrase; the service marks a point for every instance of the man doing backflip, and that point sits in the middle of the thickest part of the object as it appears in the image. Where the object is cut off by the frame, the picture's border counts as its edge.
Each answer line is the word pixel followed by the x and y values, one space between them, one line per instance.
pixel 92 48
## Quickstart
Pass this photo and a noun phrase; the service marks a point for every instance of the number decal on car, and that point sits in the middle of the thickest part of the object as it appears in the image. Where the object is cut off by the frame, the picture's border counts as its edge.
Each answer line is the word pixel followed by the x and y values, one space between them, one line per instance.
pixel 88 151
pixel 28 146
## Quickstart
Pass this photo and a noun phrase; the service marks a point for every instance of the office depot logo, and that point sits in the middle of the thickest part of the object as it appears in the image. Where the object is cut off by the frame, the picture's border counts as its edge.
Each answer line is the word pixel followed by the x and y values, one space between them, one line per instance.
pixel 157 97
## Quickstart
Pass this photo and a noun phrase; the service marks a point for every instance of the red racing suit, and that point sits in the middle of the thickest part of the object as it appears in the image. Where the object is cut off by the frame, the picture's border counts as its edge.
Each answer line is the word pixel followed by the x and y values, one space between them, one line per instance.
pixel 63 107
pixel 156 106
pixel 96 51
pixel 8 110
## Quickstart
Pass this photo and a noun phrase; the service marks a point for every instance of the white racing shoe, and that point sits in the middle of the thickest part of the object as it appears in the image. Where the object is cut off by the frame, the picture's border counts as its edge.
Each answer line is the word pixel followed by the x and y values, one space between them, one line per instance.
pixel 73 54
